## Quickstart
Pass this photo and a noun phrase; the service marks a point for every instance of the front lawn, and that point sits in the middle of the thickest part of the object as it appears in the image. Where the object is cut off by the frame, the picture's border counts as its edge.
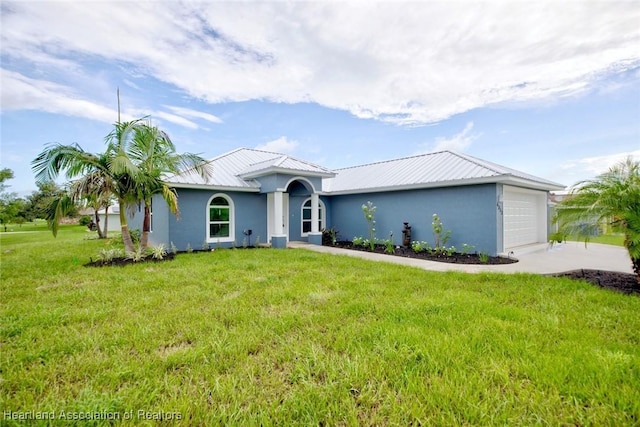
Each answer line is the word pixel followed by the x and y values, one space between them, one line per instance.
pixel 605 239
pixel 292 337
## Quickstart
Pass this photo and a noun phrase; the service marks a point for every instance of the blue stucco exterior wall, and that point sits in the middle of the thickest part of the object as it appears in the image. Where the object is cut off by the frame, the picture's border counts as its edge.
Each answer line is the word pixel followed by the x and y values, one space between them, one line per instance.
pixel 279 181
pixel 470 212
pixel 160 221
pixel 191 227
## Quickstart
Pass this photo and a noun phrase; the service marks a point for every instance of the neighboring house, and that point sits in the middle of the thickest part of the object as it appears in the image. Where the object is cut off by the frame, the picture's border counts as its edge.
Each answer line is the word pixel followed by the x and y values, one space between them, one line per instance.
pixel 114 218
pixel 281 198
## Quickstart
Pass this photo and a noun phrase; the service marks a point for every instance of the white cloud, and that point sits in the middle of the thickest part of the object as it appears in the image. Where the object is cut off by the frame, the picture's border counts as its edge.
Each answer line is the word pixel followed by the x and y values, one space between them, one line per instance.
pixel 194 114
pixel 461 141
pixel 406 63
pixel 280 145
pixel 593 166
pixel 23 93
pixel 458 142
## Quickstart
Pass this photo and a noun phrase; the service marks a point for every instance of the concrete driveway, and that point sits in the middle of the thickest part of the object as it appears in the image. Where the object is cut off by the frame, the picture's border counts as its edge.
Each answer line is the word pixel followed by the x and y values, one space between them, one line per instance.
pixel 536 259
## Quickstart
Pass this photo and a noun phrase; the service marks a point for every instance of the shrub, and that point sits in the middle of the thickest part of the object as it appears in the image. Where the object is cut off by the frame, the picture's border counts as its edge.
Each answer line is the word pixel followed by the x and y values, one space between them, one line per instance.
pixel 137 255
pixel 158 252
pixel 467 248
pixel 84 220
pixel 329 236
pixel 388 246
pixel 107 255
pixel 419 246
pixel 135 235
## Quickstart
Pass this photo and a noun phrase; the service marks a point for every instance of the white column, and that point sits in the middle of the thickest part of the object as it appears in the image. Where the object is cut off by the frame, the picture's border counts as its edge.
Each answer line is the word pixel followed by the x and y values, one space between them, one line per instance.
pixel 315 211
pixel 277 213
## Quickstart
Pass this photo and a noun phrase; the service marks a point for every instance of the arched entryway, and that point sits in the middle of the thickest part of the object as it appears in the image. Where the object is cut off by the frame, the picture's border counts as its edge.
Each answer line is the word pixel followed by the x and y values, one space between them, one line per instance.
pixel 285 213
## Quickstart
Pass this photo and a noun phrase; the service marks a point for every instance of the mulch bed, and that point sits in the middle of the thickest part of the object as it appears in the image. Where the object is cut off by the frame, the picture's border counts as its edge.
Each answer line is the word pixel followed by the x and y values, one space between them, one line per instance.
pixel 119 262
pixel 621 282
pixel 456 258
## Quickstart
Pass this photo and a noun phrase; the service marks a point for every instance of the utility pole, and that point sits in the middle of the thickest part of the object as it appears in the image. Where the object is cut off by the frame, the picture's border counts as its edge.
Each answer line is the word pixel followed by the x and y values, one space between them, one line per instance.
pixel 118 95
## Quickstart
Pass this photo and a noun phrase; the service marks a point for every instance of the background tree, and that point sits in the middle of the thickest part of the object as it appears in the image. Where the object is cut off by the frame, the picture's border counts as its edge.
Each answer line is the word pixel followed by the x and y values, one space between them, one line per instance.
pixel 613 198
pixel 94 185
pixel 7 200
pixel 39 201
pixel 5 175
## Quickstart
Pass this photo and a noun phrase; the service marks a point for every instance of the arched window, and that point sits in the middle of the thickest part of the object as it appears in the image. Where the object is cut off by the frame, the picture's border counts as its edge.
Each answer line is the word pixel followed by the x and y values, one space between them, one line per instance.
pixel 220 219
pixel 306 217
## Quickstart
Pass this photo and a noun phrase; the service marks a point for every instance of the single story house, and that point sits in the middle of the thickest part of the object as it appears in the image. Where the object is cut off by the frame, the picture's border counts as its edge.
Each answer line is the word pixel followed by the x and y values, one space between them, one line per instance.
pixel 281 198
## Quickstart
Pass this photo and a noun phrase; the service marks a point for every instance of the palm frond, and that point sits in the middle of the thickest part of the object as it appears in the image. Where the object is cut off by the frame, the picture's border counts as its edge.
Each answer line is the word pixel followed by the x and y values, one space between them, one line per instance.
pixel 612 197
pixel 57 210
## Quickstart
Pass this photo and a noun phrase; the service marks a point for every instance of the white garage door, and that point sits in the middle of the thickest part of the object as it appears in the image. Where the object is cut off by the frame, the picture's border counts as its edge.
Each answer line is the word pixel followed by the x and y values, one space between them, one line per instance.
pixel 524 217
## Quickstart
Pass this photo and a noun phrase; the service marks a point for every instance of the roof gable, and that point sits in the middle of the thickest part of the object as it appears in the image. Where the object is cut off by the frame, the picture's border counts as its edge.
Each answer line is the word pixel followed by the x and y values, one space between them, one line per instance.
pixel 238 169
pixel 285 164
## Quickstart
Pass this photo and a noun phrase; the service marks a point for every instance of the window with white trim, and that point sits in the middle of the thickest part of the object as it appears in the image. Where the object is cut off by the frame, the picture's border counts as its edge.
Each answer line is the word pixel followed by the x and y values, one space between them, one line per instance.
pixel 220 219
pixel 306 217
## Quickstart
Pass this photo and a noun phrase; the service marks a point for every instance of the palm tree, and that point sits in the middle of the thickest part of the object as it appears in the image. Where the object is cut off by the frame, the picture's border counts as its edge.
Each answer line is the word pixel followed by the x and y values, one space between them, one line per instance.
pixel 95 185
pixel 149 156
pixel 612 197
pixel 124 173
pixel 97 190
pixel 137 158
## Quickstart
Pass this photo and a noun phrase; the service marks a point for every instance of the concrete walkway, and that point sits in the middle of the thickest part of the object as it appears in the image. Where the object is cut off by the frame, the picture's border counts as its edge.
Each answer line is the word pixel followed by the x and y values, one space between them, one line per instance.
pixel 538 259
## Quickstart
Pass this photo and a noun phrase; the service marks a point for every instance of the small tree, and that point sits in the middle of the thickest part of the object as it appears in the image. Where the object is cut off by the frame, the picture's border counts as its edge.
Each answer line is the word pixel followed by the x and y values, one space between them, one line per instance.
pixel 369 209
pixel 440 235
pixel 612 197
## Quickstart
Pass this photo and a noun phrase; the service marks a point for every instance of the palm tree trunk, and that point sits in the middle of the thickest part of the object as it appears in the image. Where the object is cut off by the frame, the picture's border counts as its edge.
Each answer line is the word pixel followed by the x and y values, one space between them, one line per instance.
pixel 124 227
pixel 97 217
pixel 146 227
pixel 106 221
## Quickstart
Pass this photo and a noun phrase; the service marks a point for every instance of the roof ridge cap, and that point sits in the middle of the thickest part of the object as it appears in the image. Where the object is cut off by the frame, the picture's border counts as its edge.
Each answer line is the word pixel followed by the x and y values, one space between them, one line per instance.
pixel 479 162
pixel 396 159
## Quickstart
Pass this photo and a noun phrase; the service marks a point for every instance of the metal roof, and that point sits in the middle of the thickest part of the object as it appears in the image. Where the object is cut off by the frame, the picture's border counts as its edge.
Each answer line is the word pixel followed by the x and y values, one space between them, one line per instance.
pixel 237 170
pixel 443 168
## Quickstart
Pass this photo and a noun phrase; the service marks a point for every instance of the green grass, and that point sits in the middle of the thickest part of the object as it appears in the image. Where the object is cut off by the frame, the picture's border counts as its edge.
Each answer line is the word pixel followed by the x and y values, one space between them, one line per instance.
pixel 37 225
pixel 607 239
pixel 292 337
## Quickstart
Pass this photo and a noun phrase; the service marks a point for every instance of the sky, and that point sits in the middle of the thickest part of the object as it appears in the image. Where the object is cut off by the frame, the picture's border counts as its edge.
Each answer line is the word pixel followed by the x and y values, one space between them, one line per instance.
pixel 548 88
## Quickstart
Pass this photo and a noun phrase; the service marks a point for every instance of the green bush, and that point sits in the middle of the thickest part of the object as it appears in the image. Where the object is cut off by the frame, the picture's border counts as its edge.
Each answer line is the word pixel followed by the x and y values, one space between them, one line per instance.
pixel 84 220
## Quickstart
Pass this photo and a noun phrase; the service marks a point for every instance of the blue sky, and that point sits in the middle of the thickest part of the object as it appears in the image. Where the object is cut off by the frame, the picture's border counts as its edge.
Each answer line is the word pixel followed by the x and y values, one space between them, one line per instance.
pixel 549 88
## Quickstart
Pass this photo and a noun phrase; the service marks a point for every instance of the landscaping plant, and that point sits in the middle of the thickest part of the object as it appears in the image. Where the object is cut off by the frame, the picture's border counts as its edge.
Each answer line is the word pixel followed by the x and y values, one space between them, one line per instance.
pixel 612 198
pixel 440 235
pixel 369 210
